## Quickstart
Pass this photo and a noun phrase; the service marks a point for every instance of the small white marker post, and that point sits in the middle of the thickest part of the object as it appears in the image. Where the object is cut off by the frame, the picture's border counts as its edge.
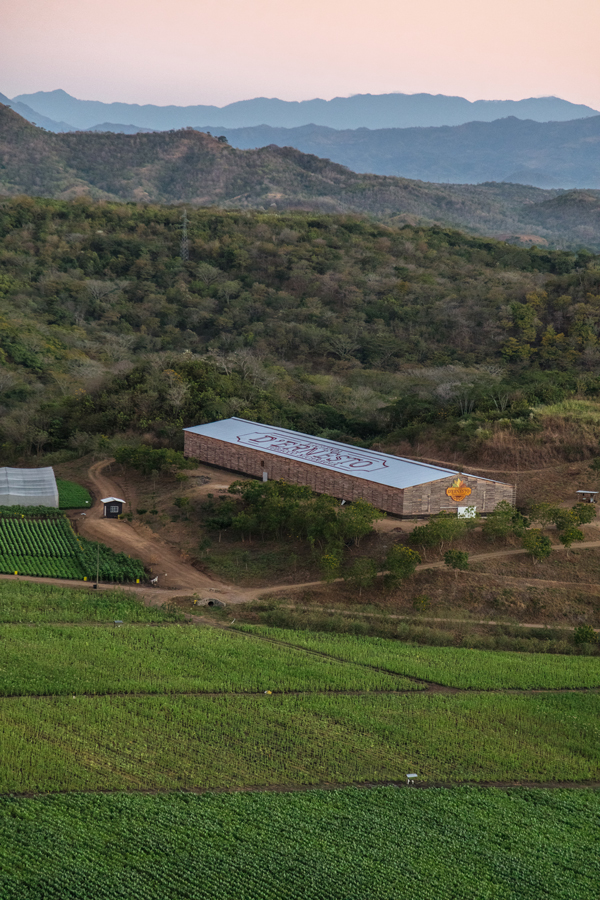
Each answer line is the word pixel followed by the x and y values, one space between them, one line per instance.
pixel 410 778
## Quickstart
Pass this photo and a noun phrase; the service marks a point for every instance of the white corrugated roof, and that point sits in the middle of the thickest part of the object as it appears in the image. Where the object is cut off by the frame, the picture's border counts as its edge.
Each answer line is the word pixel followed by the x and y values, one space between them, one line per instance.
pixel 381 468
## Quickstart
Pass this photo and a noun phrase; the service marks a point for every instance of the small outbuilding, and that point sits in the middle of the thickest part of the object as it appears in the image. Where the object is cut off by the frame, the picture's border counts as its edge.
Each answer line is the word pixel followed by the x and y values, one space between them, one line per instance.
pixel 28 487
pixel 113 507
pixel 391 483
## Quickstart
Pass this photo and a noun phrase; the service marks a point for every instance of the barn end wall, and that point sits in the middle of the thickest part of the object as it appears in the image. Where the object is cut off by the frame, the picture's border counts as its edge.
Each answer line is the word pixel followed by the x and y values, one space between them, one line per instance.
pixel 322 481
pixel 428 499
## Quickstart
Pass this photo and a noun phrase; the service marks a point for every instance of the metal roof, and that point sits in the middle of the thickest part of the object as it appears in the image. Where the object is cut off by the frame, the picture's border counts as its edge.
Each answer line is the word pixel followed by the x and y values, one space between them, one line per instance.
pixel 380 468
pixel 111 499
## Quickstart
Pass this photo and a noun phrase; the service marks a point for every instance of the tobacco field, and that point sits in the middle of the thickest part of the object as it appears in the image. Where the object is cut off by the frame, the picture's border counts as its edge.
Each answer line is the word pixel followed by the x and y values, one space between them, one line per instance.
pixel 380 844
pixel 178 741
pixel 451 666
pixel 92 660
pixel 28 602
pixel 48 547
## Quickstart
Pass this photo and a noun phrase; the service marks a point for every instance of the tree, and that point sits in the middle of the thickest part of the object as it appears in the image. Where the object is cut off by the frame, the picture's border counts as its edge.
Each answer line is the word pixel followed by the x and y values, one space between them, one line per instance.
pixel 443 528
pixel 537 544
pixel 585 512
pixel 356 519
pixel 362 573
pixel 504 521
pixel 569 535
pixel 457 560
pixel 544 514
pixel 401 563
pixel 331 563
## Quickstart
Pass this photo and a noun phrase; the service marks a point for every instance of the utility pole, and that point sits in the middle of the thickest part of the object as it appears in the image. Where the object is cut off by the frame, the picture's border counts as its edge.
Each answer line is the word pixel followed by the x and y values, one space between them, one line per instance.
pixel 185 250
pixel 98 565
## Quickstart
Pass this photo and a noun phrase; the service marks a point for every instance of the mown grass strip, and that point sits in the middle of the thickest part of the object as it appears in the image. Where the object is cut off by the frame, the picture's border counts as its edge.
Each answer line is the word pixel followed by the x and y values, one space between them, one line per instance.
pixel 26 602
pixel 88 660
pixel 451 666
pixel 317 845
pixel 129 743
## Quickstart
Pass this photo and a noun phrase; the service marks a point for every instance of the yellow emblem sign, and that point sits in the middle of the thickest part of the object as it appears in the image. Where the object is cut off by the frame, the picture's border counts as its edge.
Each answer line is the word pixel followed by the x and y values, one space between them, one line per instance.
pixel 458 490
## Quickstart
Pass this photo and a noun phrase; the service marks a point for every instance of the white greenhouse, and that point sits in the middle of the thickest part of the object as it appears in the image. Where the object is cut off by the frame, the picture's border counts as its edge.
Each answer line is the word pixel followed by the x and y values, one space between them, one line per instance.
pixel 28 487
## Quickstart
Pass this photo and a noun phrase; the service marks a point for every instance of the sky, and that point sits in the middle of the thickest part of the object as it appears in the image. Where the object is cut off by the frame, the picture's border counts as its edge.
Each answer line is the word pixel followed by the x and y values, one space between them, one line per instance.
pixel 219 51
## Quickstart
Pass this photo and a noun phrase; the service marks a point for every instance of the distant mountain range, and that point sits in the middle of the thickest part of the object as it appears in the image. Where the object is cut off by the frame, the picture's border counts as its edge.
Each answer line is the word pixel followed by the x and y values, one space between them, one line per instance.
pixel 560 153
pixel 360 111
pixel 549 154
pixel 194 168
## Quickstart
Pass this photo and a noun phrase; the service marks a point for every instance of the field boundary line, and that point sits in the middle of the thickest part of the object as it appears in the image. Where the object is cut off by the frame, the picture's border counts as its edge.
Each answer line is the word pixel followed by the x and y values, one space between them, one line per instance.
pixel 323 786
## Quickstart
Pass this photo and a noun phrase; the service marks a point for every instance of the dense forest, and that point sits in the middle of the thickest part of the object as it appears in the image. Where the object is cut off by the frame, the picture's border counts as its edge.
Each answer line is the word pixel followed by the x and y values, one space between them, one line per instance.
pixel 329 324
pixel 202 170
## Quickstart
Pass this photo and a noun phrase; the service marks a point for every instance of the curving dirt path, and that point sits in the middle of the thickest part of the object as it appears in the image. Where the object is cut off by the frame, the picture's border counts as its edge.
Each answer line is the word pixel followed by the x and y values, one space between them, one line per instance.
pixel 175 574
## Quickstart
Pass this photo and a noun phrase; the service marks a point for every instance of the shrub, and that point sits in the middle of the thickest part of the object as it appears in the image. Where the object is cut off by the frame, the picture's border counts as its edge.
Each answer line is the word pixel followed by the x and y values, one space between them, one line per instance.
pixel 585 634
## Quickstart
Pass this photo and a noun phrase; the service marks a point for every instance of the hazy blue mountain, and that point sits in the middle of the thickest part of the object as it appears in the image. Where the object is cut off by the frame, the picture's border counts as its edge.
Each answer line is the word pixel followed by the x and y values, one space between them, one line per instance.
pixel 34 117
pixel 360 111
pixel 548 154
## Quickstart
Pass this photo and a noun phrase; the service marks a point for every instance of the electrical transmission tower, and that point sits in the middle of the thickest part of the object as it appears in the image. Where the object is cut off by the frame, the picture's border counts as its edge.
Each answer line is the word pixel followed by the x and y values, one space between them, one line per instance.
pixel 185 249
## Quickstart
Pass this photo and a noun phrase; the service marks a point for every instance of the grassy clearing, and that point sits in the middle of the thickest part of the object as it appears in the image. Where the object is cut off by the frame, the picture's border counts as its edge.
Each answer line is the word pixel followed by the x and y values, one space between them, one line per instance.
pixel 66 660
pixel 72 495
pixel 315 845
pixel 131 743
pixel 453 666
pixel 574 410
pixel 28 602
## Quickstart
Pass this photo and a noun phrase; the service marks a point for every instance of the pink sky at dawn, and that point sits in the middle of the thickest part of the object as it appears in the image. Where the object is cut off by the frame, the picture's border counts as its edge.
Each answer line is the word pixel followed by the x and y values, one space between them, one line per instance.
pixel 218 51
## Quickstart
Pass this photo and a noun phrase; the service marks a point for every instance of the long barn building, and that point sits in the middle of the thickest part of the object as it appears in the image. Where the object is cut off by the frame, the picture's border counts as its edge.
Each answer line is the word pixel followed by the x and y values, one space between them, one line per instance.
pixel 398 486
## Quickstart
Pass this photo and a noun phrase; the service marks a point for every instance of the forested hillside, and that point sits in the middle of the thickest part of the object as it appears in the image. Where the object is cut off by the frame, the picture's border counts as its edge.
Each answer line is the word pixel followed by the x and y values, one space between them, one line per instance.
pixel 328 324
pixel 200 170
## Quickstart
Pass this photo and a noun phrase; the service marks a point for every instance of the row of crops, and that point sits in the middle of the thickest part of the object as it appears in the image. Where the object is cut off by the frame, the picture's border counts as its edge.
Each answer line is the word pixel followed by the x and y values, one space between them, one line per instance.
pixel 442 844
pixel 48 547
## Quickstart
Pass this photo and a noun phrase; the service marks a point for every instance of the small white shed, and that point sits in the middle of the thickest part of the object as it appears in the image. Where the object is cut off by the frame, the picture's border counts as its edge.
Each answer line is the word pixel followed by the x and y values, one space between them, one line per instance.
pixel 113 507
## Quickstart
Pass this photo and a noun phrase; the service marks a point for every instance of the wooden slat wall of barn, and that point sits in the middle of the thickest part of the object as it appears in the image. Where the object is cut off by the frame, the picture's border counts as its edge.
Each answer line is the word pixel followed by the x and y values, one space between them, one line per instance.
pixel 420 500
pixel 323 481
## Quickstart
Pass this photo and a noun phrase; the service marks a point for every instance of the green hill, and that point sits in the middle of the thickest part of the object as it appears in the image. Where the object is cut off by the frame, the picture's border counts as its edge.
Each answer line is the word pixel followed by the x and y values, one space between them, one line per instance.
pixel 328 324
pixel 197 169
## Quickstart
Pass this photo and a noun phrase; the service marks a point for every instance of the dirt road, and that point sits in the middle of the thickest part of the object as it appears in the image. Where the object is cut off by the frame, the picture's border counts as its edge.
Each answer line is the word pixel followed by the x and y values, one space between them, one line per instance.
pixel 175 574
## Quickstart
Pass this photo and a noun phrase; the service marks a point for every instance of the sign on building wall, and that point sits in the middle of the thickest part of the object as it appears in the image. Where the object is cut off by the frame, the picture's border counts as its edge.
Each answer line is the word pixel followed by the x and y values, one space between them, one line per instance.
pixel 458 490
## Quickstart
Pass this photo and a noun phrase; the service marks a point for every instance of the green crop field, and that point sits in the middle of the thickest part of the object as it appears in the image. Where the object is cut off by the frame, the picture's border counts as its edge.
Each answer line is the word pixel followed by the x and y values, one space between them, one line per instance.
pixel 72 495
pixel 67 660
pixel 382 844
pixel 50 744
pixel 28 602
pixel 48 547
pixel 451 666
